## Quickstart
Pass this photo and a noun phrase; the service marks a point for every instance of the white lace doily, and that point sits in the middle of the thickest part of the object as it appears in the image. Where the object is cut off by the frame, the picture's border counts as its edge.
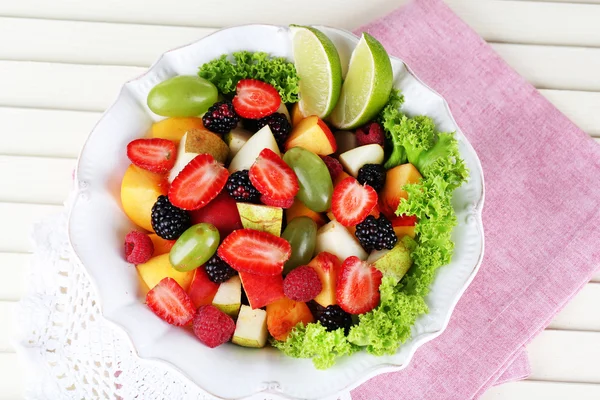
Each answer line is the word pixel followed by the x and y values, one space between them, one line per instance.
pixel 69 350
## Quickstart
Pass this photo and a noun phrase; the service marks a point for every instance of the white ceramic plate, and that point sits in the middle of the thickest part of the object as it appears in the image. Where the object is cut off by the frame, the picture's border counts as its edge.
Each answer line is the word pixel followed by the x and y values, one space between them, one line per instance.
pixel 97 226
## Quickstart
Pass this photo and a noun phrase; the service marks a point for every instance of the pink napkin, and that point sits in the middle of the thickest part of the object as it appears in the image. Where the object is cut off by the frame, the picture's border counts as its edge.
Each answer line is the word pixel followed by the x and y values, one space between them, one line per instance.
pixel 541 211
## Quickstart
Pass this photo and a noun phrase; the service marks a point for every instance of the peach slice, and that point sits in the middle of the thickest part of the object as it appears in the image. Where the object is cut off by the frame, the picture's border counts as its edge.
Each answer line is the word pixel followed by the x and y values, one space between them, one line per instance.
pixel 327 267
pixel 139 191
pixel 283 315
pixel 314 135
pixel 392 192
pixel 174 128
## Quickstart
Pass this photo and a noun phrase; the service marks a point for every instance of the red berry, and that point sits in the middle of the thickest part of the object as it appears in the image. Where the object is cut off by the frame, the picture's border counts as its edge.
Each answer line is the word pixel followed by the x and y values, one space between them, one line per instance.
pixel 371 133
pixel 351 202
pixel 156 155
pixel 357 287
pixel 333 165
pixel 285 203
pixel 302 284
pixel 198 183
pixel 256 252
pixel 271 176
pixel 404 220
pixel 212 326
pixel 170 302
pixel 255 99
pixel 138 247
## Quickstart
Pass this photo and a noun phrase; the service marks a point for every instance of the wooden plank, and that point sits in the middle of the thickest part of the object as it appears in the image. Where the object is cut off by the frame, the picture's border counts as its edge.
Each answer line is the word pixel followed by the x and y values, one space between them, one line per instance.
pixel 51 133
pixel 565 356
pixel 581 313
pixel 11 384
pixel 20 218
pixel 580 107
pixel 13 269
pixel 7 316
pixel 36 179
pixel 543 390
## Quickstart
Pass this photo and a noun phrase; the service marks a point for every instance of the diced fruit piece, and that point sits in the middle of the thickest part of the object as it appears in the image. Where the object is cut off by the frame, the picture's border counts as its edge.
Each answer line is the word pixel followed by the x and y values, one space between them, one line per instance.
pixel 405 231
pixel 283 315
pixel 194 247
pixel 302 284
pixel 262 290
pixel 138 247
pixel 158 268
pixel 352 202
pixel 174 128
pixel 236 139
pixel 327 267
pixel 394 262
pixel 333 166
pixel 354 159
pixel 251 328
pixel 301 233
pixel 222 212
pixel 154 155
pixel 404 220
pixel 161 246
pixel 357 287
pixel 298 209
pixel 279 203
pixel 198 141
pixel 170 302
pixel 256 252
pixel 229 296
pixel 212 326
pixel 314 135
pixel 168 221
pixel 334 318
pixel 220 117
pixel 335 239
pixel 182 96
pixel 314 179
pixel 371 133
pixel 273 177
pixel 218 270
pixel 297 114
pixel 261 218
pixel 202 290
pixel 392 192
pixel 139 191
pixel 198 183
pixel 245 157
pixel 345 140
pixel 342 175
pixel 255 99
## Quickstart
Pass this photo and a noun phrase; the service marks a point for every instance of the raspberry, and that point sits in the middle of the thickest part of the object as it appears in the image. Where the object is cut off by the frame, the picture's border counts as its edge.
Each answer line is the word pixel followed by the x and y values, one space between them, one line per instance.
pixel 138 247
pixel 220 117
pixel 212 326
pixel 370 133
pixel 333 165
pixel 302 284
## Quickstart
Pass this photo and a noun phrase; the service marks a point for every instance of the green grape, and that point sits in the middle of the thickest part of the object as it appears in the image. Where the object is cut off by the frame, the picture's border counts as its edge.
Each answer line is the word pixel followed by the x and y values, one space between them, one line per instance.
pixel 315 182
pixel 194 247
pixel 182 96
pixel 301 233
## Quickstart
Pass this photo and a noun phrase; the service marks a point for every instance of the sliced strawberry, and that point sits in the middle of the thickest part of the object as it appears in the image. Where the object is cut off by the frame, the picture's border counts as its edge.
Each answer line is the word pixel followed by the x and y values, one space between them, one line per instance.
pixel 256 252
pixel 198 183
pixel 404 220
pixel 352 202
pixel 171 303
pixel 357 287
pixel 156 155
pixel 285 203
pixel 272 177
pixel 255 99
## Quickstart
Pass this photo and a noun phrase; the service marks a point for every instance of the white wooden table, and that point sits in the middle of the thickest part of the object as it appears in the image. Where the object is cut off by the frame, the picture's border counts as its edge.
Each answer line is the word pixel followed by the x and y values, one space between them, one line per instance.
pixel 63 61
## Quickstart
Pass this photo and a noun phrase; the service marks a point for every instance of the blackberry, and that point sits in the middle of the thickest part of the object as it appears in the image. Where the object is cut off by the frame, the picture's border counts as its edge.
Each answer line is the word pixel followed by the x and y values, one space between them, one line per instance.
pixel 372 175
pixel 241 189
pixel 333 317
pixel 168 221
pixel 376 234
pixel 218 270
pixel 221 117
pixel 280 126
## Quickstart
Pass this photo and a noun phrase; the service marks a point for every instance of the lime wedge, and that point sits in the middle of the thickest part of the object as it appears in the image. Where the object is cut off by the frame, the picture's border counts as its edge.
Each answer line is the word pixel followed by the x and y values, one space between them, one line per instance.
pixel 319 68
pixel 367 86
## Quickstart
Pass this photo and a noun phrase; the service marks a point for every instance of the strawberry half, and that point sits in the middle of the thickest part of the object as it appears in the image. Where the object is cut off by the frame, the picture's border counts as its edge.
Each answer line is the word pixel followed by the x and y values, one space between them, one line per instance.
pixel 198 183
pixel 351 202
pixel 285 203
pixel 272 177
pixel 255 99
pixel 256 252
pixel 171 303
pixel 155 155
pixel 357 287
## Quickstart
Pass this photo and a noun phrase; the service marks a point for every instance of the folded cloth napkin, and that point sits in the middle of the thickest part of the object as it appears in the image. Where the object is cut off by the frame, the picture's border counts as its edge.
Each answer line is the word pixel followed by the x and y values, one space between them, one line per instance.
pixel 541 213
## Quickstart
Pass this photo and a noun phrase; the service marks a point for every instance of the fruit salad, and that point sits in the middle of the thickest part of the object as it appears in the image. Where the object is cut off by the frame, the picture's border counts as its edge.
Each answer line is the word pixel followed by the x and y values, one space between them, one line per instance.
pixel 280 205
